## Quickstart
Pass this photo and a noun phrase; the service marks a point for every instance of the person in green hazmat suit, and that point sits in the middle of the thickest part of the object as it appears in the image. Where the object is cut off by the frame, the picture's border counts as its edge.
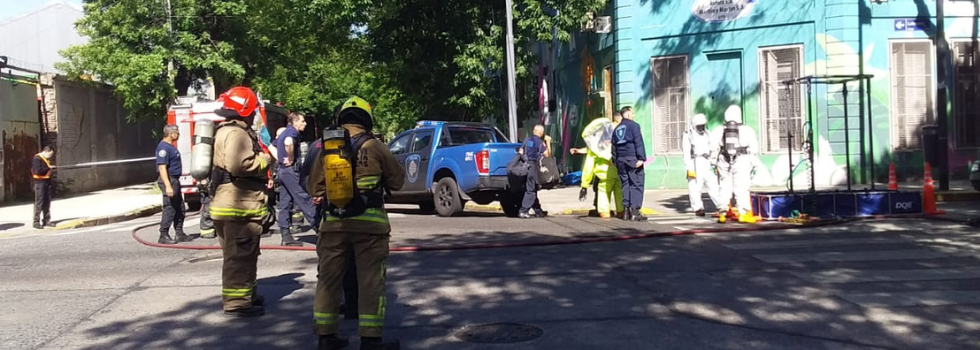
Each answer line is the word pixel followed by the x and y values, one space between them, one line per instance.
pixel 598 166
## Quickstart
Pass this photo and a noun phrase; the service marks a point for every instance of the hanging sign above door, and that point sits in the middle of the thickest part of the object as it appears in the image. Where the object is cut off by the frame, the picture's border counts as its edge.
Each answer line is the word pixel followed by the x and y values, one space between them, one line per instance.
pixel 717 11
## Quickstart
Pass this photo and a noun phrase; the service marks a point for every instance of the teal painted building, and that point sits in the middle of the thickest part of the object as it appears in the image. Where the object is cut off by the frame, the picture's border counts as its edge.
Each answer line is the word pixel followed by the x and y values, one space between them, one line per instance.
pixel 671 59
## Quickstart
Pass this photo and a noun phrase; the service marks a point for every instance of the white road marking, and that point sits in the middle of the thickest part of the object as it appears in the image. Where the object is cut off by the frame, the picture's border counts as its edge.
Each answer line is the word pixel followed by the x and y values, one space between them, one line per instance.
pixel 865 276
pixel 917 298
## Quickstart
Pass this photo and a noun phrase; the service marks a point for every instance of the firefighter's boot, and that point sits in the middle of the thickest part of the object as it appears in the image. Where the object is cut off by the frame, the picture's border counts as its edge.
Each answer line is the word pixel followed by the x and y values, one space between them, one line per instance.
pixel 288 240
pixel 251 311
pixel 331 342
pixel 376 344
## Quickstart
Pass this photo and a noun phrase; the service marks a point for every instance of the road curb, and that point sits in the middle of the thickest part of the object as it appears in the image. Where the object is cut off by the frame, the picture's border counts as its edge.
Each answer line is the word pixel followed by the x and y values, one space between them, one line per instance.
pixel 110 219
pixel 586 212
pixel 957 196
pixel 483 207
pixel 572 212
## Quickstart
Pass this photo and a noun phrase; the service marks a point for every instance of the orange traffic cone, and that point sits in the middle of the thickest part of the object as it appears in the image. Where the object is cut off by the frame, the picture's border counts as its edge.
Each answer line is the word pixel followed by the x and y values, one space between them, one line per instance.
pixel 892 181
pixel 928 193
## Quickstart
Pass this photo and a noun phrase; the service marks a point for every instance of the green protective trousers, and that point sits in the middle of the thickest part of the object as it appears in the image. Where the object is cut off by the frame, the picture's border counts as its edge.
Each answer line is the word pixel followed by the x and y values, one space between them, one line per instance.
pixel 610 189
pixel 239 240
pixel 371 255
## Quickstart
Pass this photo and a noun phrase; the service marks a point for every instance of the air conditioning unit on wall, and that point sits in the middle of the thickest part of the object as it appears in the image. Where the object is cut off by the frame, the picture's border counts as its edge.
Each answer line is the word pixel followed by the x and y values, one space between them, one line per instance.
pixel 603 24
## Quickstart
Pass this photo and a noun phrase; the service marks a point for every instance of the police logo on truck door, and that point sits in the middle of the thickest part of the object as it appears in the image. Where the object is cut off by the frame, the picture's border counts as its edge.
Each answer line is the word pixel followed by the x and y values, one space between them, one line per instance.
pixel 412 167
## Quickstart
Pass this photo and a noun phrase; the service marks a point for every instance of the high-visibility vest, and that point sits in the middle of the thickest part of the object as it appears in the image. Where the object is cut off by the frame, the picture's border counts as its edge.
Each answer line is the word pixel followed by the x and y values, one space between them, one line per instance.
pixel 44 176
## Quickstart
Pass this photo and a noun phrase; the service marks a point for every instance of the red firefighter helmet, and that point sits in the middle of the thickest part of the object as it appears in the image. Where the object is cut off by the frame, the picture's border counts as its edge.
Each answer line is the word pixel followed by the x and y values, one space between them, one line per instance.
pixel 238 101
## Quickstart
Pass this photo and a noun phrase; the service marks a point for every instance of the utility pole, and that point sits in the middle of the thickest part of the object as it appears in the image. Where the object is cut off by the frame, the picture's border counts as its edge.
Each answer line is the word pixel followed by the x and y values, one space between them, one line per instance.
pixel 942 124
pixel 170 33
pixel 511 76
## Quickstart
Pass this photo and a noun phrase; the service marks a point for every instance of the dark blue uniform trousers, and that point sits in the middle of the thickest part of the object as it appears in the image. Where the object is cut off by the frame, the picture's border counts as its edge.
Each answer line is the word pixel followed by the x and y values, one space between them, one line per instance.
pixel 292 192
pixel 632 179
pixel 531 188
pixel 173 208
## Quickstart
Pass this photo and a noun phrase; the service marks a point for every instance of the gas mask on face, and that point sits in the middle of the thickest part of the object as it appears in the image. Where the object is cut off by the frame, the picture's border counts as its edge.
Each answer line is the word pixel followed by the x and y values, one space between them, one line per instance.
pixel 700 129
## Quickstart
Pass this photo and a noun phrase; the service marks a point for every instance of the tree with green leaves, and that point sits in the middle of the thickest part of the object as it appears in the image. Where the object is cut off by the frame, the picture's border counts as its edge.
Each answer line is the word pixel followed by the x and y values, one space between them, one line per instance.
pixel 151 53
pixel 412 59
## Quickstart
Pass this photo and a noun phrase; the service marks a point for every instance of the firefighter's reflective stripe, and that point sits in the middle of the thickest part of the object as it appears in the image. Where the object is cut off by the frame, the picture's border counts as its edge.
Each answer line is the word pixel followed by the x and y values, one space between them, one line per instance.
pixel 368 182
pixel 207 232
pixel 376 320
pixel 262 164
pixel 371 214
pixel 325 318
pixel 238 213
pixel 44 176
pixel 236 293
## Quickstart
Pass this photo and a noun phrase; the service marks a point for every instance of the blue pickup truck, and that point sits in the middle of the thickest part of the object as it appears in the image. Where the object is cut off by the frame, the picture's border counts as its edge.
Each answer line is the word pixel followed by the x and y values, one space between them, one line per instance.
pixel 449 163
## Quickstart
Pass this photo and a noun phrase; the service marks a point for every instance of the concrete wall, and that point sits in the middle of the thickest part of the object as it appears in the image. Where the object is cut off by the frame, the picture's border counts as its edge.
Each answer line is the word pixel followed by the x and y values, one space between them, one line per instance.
pixel 89 125
pixel 20 131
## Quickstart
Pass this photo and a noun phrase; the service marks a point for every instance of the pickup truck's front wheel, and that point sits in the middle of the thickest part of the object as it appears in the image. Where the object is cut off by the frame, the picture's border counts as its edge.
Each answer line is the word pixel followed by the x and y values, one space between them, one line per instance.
pixel 446 197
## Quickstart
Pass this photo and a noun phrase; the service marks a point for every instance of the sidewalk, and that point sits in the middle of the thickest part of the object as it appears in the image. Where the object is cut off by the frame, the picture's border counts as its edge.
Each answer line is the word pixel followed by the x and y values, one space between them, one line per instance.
pixel 668 202
pixel 96 208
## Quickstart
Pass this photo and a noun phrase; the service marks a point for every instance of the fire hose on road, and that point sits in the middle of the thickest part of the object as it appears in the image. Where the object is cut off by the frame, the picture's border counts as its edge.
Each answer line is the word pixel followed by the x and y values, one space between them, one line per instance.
pixel 554 242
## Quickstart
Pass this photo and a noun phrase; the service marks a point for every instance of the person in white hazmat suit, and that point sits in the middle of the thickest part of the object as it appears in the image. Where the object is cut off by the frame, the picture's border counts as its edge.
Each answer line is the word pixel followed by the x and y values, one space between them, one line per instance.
pixel 698 147
pixel 737 147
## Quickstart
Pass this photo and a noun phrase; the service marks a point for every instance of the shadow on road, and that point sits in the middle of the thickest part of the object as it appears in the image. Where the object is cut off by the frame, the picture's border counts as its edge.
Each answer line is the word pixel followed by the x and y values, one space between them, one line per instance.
pixel 690 291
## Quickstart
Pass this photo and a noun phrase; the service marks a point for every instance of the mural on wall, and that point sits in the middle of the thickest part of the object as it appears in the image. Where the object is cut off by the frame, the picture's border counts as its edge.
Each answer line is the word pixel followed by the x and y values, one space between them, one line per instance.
pixel 837 58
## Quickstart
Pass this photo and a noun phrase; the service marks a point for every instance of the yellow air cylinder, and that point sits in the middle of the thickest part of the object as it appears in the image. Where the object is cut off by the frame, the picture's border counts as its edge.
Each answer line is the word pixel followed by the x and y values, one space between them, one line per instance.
pixel 338 167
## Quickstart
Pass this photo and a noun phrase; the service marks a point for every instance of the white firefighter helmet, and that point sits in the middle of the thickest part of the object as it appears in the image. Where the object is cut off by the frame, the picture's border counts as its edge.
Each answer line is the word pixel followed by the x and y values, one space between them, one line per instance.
pixel 699 119
pixel 733 114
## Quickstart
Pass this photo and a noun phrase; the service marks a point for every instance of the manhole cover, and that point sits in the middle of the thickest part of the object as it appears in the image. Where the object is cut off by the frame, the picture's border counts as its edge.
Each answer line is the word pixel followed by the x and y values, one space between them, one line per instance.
pixel 205 258
pixel 499 333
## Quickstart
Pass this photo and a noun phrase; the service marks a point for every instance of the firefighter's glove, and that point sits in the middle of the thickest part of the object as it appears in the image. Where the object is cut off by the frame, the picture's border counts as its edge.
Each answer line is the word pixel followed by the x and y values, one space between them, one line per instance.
pixel 691 174
pixel 581 194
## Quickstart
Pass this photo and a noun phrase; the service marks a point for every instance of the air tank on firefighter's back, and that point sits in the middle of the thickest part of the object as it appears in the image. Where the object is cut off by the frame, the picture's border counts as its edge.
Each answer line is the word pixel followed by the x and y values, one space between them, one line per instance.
pixel 304 149
pixel 203 149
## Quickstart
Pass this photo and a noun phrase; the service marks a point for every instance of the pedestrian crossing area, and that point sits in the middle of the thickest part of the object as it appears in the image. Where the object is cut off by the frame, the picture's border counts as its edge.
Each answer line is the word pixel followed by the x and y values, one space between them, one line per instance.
pixel 875 269
pixel 684 222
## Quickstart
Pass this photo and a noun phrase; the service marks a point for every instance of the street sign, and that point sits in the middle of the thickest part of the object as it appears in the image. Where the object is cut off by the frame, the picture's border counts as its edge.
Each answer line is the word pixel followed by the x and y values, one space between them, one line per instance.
pixel 900 25
pixel 910 24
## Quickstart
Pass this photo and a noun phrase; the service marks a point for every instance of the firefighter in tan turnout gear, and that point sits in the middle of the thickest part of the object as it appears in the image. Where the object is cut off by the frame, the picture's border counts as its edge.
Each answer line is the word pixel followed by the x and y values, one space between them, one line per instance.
pixel 238 205
pixel 351 178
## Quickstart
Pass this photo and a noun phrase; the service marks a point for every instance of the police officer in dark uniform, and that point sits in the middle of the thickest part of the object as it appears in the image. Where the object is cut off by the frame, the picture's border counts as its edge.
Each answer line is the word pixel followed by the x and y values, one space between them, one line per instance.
pixel 41 177
pixel 533 149
pixel 629 154
pixel 290 189
pixel 169 169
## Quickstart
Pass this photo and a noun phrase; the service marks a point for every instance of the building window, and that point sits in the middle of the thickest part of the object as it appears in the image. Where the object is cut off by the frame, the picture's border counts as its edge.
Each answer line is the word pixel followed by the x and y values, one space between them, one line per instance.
pixel 912 92
pixel 670 101
pixel 966 111
pixel 781 105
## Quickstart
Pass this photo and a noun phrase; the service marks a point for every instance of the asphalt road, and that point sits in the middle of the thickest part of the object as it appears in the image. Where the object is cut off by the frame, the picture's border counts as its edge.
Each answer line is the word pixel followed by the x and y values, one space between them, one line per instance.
pixel 906 284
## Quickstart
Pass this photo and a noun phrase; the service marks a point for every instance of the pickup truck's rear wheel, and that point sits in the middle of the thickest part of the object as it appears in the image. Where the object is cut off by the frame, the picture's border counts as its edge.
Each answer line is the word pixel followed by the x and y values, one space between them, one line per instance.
pixel 510 202
pixel 446 197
